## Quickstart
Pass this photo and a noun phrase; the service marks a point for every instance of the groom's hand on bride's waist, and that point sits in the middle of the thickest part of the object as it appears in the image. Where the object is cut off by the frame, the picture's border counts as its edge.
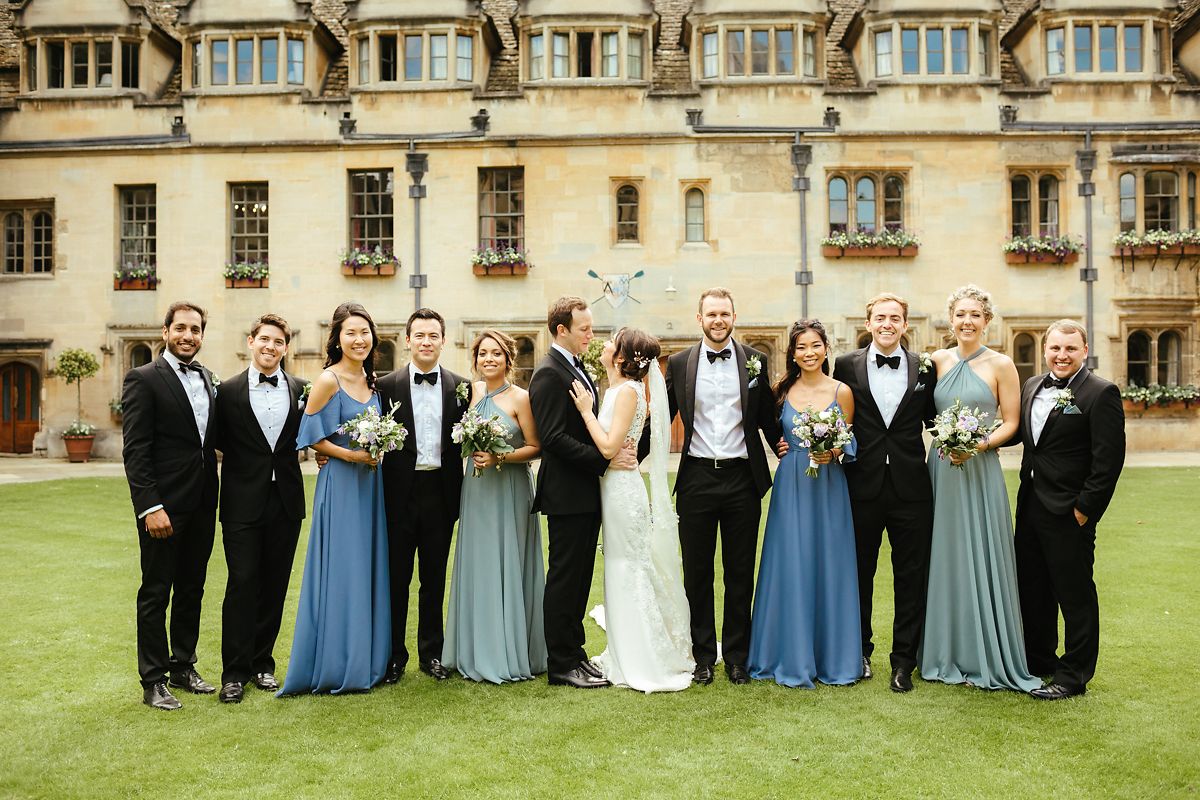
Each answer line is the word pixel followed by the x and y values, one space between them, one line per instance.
pixel 626 458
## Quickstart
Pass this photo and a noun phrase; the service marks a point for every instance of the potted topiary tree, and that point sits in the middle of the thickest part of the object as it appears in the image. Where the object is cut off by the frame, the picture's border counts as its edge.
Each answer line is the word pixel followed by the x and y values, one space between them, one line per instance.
pixel 74 366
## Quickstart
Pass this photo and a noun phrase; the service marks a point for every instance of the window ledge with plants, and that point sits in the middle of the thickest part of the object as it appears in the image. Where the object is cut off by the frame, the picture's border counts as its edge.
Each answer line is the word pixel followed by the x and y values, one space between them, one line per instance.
pixel 894 243
pixel 247 275
pixel 1153 244
pixel 1042 250
pixel 500 261
pixel 135 277
pixel 1159 400
pixel 363 261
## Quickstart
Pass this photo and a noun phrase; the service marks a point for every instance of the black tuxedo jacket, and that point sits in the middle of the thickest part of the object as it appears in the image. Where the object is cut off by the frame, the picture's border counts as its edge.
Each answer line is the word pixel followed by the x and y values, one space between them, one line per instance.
pixel 900 445
pixel 569 476
pixel 759 412
pixel 1078 458
pixel 165 461
pixel 248 460
pixel 400 466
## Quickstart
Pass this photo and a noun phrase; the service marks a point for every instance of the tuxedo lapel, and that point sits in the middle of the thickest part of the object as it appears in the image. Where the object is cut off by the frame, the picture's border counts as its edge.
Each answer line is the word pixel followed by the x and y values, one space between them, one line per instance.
pixel 449 405
pixel 1056 412
pixel 743 380
pixel 404 397
pixel 860 374
pixel 175 389
pixel 293 416
pixel 689 385
pixel 573 375
pixel 911 361
pixel 239 385
pixel 1026 411
pixel 212 401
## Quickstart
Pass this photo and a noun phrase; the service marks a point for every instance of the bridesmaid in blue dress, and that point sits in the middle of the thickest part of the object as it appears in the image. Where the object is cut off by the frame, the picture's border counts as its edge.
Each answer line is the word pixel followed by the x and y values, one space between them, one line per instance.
pixel 805 626
pixel 973 631
pixel 494 628
pixel 343 625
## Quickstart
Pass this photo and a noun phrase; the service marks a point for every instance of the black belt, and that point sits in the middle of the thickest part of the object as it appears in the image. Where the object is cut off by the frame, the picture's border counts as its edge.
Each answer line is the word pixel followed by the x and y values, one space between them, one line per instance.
pixel 721 463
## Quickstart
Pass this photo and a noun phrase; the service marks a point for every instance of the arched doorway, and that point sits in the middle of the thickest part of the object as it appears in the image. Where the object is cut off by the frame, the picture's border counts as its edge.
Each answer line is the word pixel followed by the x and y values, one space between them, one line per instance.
pixel 20 407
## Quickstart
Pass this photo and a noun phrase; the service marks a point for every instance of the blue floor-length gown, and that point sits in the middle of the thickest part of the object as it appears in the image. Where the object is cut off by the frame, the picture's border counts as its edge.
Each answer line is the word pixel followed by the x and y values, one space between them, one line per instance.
pixel 806 626
pixel 973 631
pixel 494 629
pixel 343 624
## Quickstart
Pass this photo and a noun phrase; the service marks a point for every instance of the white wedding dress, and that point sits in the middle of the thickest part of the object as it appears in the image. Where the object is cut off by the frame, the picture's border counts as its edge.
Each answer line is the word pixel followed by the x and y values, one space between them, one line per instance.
pixel 645 609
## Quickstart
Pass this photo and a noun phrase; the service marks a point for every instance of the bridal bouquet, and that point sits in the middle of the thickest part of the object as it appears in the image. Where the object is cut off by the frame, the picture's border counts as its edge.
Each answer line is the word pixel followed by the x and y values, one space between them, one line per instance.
pixel 820 432
pixel 960 430
pixel 477 434
pixel 374 432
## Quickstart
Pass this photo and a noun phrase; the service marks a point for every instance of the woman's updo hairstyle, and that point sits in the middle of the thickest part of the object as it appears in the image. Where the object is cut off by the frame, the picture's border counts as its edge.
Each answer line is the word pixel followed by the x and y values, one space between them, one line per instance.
pixel 635 350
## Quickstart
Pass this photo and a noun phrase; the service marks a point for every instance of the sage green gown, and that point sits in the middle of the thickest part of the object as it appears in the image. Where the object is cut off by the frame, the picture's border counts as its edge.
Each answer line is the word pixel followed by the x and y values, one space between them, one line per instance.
pixel 494 628
pixel 973 631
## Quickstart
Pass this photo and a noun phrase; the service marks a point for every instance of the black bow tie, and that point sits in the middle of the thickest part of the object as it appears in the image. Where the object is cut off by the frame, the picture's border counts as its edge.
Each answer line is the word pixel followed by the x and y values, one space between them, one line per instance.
pixel 1051 382
pixel 192 365
pixel 426 377
pixel 271 379
pixel 713 356
pixel 891 361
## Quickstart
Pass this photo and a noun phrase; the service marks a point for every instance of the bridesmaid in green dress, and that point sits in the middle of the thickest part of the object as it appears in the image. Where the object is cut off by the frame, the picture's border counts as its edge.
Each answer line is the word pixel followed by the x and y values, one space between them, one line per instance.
pixel 494 626
pixel 973 630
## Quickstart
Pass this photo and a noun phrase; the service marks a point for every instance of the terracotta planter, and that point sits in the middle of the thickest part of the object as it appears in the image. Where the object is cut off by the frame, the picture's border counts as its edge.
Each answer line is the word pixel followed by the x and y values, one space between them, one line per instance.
pixel 1176 408
pixel 1147 251
pixel 368 270
pixel 830 251
pixel 134 284
pixel 246 283
pixel 500 269
pixel 79 448
pixel 1040 258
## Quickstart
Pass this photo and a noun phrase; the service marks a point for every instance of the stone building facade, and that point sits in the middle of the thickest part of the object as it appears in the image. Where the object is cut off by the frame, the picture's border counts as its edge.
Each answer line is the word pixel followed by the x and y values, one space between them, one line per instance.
pixel 636 151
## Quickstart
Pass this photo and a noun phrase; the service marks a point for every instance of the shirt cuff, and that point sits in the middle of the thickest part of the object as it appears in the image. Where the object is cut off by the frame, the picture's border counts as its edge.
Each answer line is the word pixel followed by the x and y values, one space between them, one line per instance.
pixel 150 510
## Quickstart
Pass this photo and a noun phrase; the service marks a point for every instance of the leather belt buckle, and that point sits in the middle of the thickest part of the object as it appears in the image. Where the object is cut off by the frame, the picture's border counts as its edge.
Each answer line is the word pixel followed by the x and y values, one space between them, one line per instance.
pixel 716 463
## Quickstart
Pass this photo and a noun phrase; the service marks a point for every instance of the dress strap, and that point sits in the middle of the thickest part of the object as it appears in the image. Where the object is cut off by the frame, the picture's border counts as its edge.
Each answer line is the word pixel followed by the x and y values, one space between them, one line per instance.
pixel 335 377
pixel 497 391
pixel 980 351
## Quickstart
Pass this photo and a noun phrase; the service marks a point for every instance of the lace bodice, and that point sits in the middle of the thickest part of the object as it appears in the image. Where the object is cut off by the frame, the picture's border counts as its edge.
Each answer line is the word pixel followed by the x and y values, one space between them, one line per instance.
pixel 607 407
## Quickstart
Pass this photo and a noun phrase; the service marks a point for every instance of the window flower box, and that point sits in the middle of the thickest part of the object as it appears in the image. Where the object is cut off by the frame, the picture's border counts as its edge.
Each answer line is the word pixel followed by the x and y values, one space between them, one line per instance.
pixel 135 278
pixel 1157 243
pixel 888 243
pixel 1042 250
pixel 1040 258
pixel 500 261
pixel 247 275
pixel 359 261
pixel 1158 400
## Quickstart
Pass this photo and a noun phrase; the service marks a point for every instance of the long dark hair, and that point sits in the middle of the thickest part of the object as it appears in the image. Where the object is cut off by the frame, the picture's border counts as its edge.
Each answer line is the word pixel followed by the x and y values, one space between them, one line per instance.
pixel 333 347
pixel 792 373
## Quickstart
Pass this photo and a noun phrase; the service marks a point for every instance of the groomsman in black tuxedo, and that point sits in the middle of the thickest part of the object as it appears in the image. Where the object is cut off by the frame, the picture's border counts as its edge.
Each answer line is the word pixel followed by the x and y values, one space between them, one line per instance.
pixel 169 426
pixel 422 483
pixel 568 492
pixel 1073 437
pixel 888 480
pixel 722 390
pixel 262 505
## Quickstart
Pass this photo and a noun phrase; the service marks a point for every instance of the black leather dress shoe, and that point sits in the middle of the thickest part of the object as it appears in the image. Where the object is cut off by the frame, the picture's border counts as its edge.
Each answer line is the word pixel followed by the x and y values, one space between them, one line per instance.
pixel 576 678
pixel 157 695
pixel 588 666
pixel 901 680
pixel 266 681
pixel 434 669
pixel 192 682
pixel 737 674
pixel 867 674
pixel 395 671
pixel 232 692
pixel 1056 691
pixel 702 674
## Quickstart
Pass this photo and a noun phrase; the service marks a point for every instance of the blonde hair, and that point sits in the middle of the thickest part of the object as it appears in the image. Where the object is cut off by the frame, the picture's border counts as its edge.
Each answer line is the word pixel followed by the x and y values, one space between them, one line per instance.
pixel 507 344
pixel 884 297
pixel 971 292
pixel 1068 326
pixel 716 291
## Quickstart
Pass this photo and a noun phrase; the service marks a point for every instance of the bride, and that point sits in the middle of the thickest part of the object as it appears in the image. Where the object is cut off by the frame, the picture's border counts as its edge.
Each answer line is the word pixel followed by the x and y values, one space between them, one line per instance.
pixel 646 610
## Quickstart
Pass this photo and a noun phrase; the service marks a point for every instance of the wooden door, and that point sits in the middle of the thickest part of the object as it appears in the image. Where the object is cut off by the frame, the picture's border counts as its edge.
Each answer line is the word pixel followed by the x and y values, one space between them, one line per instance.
pixel 20 393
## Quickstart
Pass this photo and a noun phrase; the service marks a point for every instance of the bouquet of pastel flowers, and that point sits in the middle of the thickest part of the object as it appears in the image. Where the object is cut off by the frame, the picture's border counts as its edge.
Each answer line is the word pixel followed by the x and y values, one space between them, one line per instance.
pixel 960 430
pixel 374 432
pixel 820 432
pixel 479 434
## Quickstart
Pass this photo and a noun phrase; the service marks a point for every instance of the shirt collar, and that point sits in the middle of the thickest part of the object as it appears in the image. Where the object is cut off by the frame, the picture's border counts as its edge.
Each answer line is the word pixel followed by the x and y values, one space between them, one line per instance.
pixel 570 356
pixel 171 359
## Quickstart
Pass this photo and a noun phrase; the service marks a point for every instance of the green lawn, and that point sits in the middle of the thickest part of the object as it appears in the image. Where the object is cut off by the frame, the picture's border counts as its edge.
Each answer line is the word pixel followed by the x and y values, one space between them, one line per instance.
pixel 72 723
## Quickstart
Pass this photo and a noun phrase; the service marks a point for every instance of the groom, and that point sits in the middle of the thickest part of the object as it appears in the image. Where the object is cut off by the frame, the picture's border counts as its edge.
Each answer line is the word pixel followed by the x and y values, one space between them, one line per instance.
pixel 721 390
pixel 568 491
pixel 888 481
pixel 1073 447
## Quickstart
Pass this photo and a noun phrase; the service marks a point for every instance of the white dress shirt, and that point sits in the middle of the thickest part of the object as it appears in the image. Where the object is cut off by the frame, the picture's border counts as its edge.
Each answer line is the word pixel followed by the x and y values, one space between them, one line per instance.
pixel 270 405
pixel 1042 405
pixel 196 390
pixel 717 423
pixel 427 418
pixel 887 385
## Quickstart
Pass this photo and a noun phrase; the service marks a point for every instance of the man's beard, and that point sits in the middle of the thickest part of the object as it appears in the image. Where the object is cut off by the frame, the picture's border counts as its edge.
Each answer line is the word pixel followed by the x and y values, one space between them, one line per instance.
pixel 724 334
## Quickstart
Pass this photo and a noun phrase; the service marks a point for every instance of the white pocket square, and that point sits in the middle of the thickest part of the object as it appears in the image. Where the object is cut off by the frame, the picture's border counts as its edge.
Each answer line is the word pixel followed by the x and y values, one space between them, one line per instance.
pixel 752 384
pixel 920 387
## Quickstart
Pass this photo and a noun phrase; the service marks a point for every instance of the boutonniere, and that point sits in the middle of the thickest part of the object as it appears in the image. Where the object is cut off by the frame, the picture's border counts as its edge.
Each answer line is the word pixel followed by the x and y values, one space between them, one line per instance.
pixel 753 366
pixel 215 380
pixel 304 394
pixel 1064 400
pixel 924 363
pixel 463 391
